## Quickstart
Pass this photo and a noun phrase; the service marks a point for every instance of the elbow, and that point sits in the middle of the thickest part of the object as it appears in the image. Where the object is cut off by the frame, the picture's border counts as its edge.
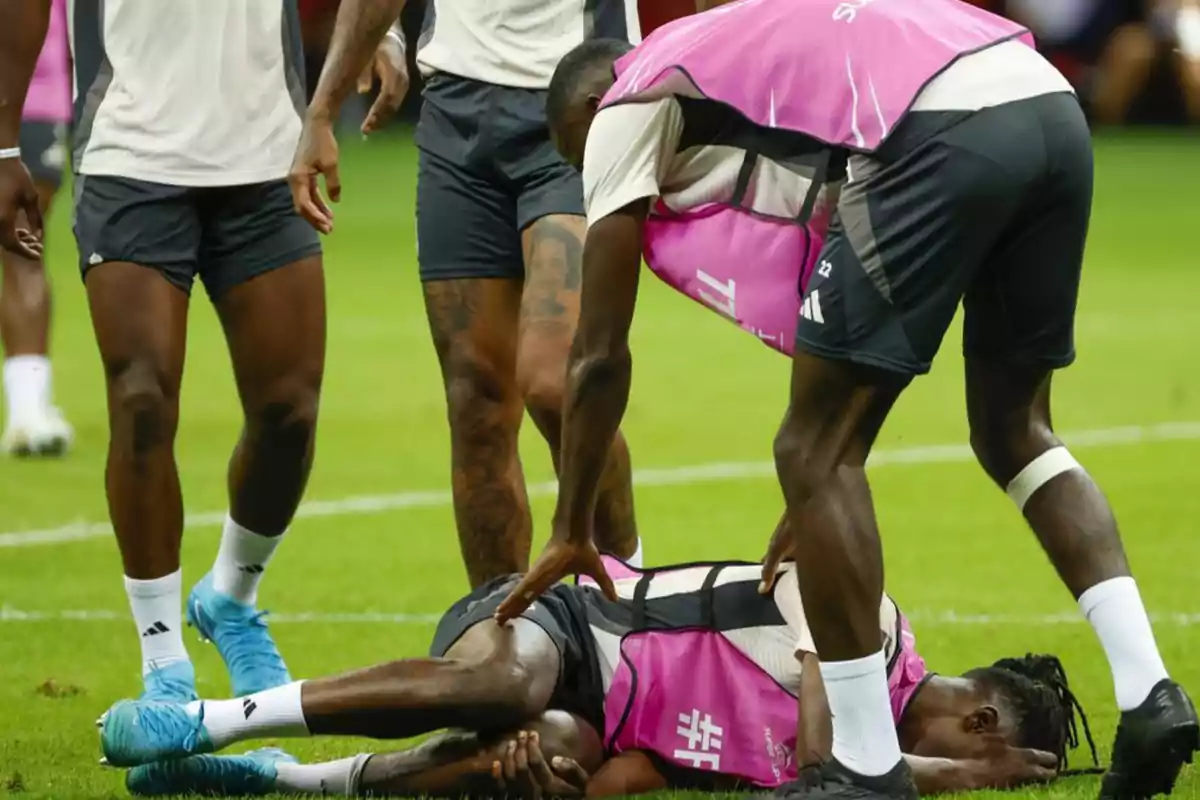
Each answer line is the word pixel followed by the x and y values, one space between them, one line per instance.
pixel 601 367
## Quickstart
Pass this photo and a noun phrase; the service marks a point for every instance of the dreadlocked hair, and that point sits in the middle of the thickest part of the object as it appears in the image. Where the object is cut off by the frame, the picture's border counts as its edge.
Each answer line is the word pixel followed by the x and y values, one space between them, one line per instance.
pixel 1048 714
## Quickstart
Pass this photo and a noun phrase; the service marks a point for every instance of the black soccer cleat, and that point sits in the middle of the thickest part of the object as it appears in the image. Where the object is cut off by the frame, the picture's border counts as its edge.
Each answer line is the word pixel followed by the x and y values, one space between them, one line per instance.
pixel 834 781
pixel 1153 743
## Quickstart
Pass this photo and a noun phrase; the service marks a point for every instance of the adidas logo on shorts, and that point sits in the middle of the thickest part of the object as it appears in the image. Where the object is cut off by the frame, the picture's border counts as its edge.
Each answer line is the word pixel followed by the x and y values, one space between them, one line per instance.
pixel 811 309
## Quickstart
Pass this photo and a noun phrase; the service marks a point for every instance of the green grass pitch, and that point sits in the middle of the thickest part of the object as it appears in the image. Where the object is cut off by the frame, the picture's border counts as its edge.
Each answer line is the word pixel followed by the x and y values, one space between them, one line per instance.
pixel 958 555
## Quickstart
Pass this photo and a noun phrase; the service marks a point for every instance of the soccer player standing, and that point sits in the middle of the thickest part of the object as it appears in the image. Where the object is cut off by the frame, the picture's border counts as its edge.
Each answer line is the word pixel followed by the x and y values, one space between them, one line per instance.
pixel 186 116
pixel 33 426
pixel 500 227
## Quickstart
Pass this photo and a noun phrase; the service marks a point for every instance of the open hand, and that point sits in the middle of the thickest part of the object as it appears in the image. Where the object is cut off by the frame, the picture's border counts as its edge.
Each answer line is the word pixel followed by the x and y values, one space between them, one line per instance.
pixel 391 66
pixel 560 559
pixel 523 772
pixel 316 154
pixel 1006 767
pixel 779 550
pixel 19 199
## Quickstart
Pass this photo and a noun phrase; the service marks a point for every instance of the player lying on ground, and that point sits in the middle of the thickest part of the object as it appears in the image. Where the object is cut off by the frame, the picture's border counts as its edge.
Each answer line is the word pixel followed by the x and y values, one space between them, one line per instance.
pixel 895 160
pixel 691 678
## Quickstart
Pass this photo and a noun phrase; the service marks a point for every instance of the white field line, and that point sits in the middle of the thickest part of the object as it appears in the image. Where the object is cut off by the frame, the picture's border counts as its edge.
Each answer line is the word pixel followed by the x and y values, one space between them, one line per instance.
pixel 669 476
pixel 921 618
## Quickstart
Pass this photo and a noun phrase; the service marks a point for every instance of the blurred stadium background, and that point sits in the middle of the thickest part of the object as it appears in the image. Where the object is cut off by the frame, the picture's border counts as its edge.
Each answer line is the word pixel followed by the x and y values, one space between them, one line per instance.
pixel 373 558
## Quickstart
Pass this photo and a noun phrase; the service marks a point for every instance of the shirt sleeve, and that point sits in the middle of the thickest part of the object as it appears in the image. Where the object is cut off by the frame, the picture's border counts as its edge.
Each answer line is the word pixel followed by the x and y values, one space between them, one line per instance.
pixel 629 149
pixel 787 597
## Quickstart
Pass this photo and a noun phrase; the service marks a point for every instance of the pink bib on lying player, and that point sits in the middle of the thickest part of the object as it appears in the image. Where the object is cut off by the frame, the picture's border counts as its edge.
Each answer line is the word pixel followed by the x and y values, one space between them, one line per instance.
pixel 692 697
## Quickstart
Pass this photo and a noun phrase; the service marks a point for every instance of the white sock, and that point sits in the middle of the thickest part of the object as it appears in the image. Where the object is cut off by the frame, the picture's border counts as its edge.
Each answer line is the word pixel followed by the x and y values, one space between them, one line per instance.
pixel 1114 608
pixel 26 385
pixel 333 778
pixel 635 560
pixel 864 733
pixel 241 561
pixel 274 712
pixel 157 607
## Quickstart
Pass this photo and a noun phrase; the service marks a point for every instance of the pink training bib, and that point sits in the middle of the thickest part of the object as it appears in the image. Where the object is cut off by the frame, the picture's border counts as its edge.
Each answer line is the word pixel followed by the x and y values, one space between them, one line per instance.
pixel 49 96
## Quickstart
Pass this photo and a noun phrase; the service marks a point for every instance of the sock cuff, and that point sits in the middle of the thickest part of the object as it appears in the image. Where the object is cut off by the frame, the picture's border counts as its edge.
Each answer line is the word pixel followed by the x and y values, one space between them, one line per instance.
pixel 171 583
pixel 855 668
pixel 636 559
pixel 354 781
pixel 1106 590
pixel 17 362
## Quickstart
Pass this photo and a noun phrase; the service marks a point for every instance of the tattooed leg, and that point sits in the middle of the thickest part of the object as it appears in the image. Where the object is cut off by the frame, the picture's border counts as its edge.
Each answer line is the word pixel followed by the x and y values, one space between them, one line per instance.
pixel 474 325
pixel 553 248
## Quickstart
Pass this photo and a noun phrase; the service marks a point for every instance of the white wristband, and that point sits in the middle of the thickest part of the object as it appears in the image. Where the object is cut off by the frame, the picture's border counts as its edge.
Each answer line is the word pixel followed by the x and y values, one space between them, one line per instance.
pixel 10 152
pixel 398 37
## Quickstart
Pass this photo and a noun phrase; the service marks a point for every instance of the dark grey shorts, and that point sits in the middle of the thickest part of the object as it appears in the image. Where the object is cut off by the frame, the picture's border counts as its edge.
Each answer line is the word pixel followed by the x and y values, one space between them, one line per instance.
pixel 486 171
pixel 224 235
pixel 991 210
pixel 561 613
pixel 44 150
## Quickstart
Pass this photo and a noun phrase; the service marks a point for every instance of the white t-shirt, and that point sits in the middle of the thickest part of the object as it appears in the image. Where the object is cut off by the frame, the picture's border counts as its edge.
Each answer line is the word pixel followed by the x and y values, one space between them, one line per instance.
pixel 187 92
pixel 516 42
pixel 633 151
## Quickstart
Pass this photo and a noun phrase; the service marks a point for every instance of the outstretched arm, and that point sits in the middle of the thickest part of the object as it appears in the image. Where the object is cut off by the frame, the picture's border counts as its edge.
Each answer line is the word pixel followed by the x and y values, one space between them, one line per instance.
pixel 600 366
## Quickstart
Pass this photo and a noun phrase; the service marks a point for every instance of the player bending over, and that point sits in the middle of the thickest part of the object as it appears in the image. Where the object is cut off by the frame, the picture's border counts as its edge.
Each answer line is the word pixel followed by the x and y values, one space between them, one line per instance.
pixel 691 677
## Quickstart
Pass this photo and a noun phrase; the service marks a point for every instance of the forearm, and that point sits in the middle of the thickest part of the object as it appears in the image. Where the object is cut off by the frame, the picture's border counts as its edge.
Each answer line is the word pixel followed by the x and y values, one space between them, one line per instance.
pixel 360 26
pixel 22 31
pixel 598 381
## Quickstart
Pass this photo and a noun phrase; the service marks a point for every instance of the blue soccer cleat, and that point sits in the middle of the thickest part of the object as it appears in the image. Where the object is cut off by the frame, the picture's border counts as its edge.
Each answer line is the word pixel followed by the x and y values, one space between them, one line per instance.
pixel 135 732
pixel 249 775
pixel 174 683
pixel 241 636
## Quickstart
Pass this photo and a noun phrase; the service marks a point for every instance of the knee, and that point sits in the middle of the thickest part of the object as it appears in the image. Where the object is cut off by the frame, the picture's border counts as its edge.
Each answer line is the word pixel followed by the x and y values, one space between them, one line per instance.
pixel 144 410
pixel 286 414
pixel 482 401
pixel 1004 447
pixel 543 388
pixel 801 465
pixel 516 691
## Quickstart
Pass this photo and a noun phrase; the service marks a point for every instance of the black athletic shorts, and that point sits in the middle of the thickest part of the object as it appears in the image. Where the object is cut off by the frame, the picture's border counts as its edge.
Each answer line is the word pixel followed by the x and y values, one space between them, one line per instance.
pixel 486 170
pixel 44 150
pixel 223 235
pixel 990 208
pixel 560 612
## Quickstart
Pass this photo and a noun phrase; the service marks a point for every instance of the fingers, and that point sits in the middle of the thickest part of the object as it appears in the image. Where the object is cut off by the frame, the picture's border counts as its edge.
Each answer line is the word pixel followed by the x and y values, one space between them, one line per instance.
pixel 306 199
pixel 569 770
pixel 600 574
pixel 366 78
pixel 33 215
pixel 333 183
pixel 1042 759
pixel 391 94
pixel 520 598
pixel 26 244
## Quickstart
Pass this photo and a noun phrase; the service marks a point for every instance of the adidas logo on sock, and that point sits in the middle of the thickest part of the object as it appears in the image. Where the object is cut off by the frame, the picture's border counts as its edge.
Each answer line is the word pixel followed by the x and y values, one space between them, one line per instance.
pixel 248 707
pixel 155 630
pixel 251 569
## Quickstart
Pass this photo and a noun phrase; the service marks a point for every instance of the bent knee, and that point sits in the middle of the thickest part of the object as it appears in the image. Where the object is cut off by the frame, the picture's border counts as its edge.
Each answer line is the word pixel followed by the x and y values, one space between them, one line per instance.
pixel 799 456
pixel 1004 447
pixel 143 406
pixel 543 390
pixel 287 411
pixel 481 395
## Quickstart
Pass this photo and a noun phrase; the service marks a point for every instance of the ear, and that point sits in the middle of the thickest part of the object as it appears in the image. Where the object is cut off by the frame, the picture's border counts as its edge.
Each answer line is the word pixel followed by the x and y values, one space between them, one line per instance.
pixel 985 719
pixel 593 102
